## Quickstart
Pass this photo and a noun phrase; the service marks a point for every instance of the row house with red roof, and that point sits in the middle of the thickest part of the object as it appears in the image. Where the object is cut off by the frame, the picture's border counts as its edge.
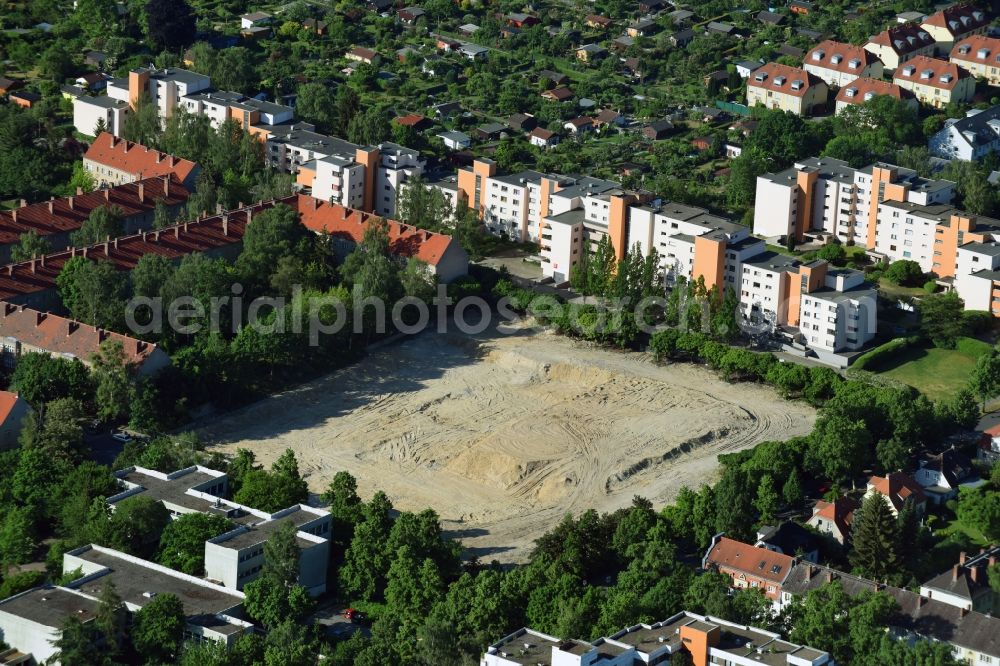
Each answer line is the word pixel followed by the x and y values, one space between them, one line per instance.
pixel 749 566
pixel 57 219
pixel 934 82
pixel 113 161
pixel 777 86
pixel 978 55
pixel 952 24
pixel 838 64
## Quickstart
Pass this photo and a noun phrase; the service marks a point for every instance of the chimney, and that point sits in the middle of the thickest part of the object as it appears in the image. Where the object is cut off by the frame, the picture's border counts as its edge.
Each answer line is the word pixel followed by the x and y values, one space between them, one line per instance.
pixel 32 265
pixel 69 202
pixel 954 573
pixel 72 252
pixel 973 573
pixel 83 252
pixel 41 261
pixel 156 236
pixel 142 193
pixel 159 157
pixel 992 560
pixel 177 231
pixel 71 326
pixel 116 243
pixel 829 576
pixel 39 318
pixel 961 557
pixel 107 195
pixel 166 186
pixel 921 600
pixel 79 191
pixel 24 202
pixel 13 215
pixel 10 269
pixel 225 224
pixel 52 206
pixel 107 248
pixel 810 571
pixel 962 612
pixel 185 227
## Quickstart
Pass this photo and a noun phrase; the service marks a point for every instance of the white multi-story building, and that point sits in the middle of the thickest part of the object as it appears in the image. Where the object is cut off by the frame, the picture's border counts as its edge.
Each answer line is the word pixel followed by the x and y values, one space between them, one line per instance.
pixel 708 640
pixel 235 558
pixel 826 196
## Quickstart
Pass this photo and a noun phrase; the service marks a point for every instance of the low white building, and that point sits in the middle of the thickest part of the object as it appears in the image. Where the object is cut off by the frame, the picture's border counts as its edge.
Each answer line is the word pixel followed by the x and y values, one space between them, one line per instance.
pixel 89 111
pixel 970 138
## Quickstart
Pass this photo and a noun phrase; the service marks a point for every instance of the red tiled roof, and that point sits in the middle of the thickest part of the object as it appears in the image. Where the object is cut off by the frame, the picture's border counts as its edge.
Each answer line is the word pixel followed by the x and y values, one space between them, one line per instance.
pixel 898 488
pixel 779 78
pixel 59 335
pixel 7 402
pixel 411 120
pixel 210 233
pixel 863 86
pixel 542 133
pixel 336 220
pixel 68 213
pixel 903 38
pixel 757 562
pixel 363 53
pixel 914 70
pixel 559 94
pixel 958 19
pixel 826 50
pixel 599 20
pixel 840 512
pixel 972 46
pixel 136 159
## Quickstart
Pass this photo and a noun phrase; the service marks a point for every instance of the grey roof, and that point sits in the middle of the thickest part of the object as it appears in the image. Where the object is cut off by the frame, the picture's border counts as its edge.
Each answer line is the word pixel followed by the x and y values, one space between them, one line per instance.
pixel 50 606
pixel 262 531
pixel 319 143
pixel 770 17
pixel 103 101
pixel 926 617
pixel 790 537
pixel 680 15
pixel 989 249
pixel 773 261
pixel 136 579
pixel 217 96
pixel 570 217
pixel 492 128
pixel 955 467
pixel 592 48
pixel 173 491
pixel 517 178
pixel 719 26
pixel 976 129
pixel 175 74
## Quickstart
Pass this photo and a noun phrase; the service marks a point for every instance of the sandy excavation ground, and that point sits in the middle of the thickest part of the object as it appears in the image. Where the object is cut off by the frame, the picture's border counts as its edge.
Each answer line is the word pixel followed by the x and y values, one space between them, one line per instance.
pixel 502 435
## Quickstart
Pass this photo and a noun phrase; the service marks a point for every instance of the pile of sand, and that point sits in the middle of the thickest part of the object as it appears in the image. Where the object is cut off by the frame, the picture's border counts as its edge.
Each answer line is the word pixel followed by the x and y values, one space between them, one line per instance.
pixel 502 435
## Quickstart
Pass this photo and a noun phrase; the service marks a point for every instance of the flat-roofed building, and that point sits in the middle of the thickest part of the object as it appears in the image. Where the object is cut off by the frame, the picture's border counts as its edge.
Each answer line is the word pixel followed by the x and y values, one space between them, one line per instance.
pixel 212 611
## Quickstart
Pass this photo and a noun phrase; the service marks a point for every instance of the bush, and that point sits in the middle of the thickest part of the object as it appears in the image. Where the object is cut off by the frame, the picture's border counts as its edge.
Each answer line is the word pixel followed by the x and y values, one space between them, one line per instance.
pixel 930 286
pixel 905 273
pixel 883 352
pixel 833 252
pixel 977 322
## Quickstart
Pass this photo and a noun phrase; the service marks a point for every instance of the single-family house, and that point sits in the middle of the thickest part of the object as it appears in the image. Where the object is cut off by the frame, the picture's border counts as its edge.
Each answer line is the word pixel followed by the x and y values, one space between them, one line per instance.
pixel 556 78
pixel 966 584
pixel 455 140
pixel 8 86
pixel 24 98
pixel 598 22
pixel 953 24
pixel 801 7
pixel 609 118
pixel 720 28
pixel 579 125
pixel 489 131
pixel 255 20
pixel 316 26
pixel 747 67
pixel 942 474
pixel 834 518
pixel 522 122
pixel 979 55
pixel 414 120
pixel 970 138
pixel 657 130
pixel 899 44
pixel 559 94
pixel 410 15
pixel 521 20
pixel 900 490
pixel 681 38
pixel 591 52
pixel 680 17
pixel 770 18
pixel 543 138
pixel 643 27
pixel 473 52
pixel 362 54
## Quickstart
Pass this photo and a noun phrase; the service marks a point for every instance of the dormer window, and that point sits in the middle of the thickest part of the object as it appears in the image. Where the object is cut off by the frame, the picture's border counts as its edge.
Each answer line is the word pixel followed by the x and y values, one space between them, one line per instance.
pixel 899 43
pixel 797 84
pixel 760 76
pixel 779 80
pixel 911 39
pixel 923 35
pixel 836 59
pixel 964 49
pixel 946 78
pixel 909 70
pixel 983 54
pixel 977 15
pixel 851 92
pixel 927 74
pixel 869 95
pixel 854 63
pixel 818 55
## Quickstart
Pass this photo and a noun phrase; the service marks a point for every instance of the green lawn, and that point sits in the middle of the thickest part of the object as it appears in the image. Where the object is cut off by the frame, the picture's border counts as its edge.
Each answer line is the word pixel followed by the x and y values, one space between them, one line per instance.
pixel 937 373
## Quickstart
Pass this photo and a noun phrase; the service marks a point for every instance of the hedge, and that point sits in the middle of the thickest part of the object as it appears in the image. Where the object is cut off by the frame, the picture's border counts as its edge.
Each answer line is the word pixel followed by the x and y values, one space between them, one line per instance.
pixel 884 351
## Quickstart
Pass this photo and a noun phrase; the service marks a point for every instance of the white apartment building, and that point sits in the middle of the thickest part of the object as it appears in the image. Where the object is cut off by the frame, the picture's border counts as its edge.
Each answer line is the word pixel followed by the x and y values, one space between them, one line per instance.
pixel 339 179
pixel 826 196
pixel 709 641
pixel 88 111
pixel 235 558
pixel 164 87
pixel 396 165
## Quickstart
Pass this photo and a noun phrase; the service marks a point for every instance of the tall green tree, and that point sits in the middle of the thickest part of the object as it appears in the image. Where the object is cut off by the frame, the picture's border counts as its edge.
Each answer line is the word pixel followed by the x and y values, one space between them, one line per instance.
pixel 158 631
pixel 103 222
pixel 875 538
pixel 30 245
pixel 941 318
pixel 182 545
